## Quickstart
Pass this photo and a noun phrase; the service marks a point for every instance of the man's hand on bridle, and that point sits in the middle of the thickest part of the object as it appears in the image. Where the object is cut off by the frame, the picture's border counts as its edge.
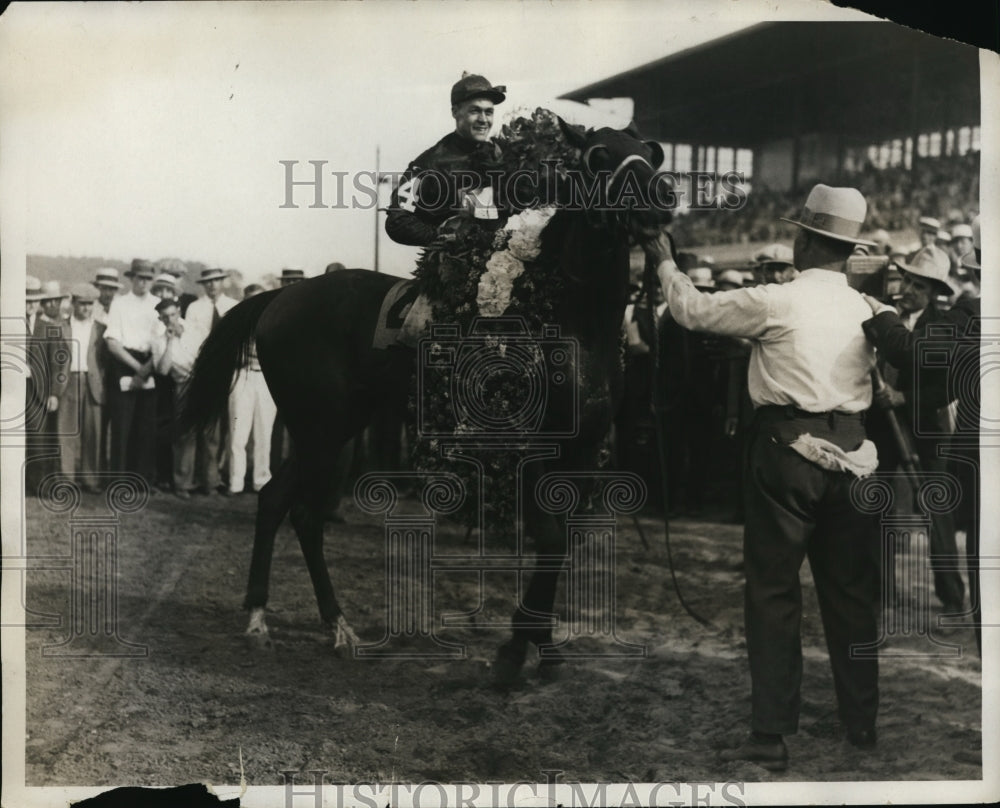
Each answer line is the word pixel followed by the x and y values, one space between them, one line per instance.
pixel 658 247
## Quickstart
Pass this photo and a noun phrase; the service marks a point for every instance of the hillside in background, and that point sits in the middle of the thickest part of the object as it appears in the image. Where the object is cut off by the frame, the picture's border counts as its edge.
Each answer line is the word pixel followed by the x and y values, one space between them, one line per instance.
pixel 70 269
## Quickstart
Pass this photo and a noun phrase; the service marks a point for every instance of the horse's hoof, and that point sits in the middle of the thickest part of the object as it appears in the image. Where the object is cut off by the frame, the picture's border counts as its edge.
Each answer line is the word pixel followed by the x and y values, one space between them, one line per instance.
pixel 507 665
pixel 259 640
pixel 344 637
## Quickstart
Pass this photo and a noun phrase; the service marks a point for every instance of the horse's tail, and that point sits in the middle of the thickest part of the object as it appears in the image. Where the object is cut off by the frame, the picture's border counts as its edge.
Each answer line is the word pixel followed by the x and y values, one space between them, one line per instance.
pixel 223 352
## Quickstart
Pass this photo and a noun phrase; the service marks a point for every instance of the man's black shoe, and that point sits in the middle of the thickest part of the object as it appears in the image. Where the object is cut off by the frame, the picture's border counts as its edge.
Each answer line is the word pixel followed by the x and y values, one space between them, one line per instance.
pixel 862 738
pixel 771 755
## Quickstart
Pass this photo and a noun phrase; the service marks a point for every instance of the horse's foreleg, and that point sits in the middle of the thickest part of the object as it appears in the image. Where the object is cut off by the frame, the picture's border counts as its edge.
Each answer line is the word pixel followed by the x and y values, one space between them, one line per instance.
pixel 533 617
pixel 272 504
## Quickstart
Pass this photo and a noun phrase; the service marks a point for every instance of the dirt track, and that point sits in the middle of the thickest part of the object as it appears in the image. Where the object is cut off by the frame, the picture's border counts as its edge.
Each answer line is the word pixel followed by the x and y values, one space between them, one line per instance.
pixel 184 712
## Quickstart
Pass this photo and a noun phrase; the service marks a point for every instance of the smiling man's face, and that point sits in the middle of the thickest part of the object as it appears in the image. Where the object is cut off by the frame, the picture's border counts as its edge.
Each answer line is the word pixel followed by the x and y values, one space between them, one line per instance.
pixel 474 119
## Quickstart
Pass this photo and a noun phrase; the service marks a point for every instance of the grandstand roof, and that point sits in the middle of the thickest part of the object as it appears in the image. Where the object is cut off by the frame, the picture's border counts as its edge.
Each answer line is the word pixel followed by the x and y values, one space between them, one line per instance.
pixel 868 81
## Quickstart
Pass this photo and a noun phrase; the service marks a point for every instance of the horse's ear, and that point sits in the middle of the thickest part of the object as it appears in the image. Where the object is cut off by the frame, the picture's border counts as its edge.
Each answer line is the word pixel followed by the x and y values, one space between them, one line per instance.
pixel 657 151
pixel 573 134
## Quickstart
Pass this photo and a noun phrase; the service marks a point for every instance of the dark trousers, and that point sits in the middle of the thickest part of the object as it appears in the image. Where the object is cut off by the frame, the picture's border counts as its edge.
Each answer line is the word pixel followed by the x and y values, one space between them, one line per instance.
pixel 794 508
pixel 948 584
pixel 133 428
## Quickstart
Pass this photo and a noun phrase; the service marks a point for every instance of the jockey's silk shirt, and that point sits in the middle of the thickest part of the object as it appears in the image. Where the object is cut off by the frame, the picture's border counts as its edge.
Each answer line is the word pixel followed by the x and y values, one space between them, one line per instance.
pixel 809 349
pixel 132 319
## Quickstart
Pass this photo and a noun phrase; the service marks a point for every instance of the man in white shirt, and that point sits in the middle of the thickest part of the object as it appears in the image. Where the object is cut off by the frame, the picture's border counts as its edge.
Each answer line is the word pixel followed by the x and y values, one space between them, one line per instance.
pixel 809 380
pixel 175 346
pixel 202 315
pixel 82 398
pixel 131 320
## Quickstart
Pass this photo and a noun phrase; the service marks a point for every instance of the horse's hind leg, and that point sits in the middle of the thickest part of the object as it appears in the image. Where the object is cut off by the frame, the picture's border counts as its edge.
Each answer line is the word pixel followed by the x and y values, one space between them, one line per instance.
pixel 272 504
pixel 307 515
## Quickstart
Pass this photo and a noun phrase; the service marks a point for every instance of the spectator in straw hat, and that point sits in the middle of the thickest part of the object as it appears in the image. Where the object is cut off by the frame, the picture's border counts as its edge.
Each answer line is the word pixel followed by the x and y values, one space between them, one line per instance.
pixel 775 264
pixel 928 228
pixel 728 280
pixel 81 399
pixel 178 271
pixel 164 286
pixel 203 315
pixel 290 275
pixel 961 240
pixel 809 379
pixel 921 396
pixel 128 336
pixel 108 285
pixel 47 350
pixel 175 345
pixel 35 383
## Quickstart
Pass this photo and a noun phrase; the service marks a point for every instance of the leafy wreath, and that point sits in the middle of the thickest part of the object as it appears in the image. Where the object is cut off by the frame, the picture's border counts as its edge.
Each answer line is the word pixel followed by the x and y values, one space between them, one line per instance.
pixel 491 269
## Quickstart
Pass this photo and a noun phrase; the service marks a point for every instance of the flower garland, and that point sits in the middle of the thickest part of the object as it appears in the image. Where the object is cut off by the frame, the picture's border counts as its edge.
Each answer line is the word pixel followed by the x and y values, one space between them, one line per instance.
pixel 491 269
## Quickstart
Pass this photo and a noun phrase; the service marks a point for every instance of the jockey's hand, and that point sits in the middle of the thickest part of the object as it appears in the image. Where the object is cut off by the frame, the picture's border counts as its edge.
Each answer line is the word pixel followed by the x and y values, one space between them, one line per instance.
pixel 658 247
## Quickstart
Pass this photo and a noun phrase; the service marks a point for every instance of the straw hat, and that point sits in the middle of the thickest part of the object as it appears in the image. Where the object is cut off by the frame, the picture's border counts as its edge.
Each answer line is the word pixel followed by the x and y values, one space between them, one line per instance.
pixel 212 275
pixel 836 213
pixel 775 254
pixel 933 264
pixel 701 277
pixel 107 276
pixel 50 291
pixel 32 288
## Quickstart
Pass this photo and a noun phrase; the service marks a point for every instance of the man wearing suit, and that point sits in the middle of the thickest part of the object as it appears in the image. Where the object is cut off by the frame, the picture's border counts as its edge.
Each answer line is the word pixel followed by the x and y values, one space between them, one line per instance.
pixel 47 349
pixel 81 395
pixel 918 397
pixel 203 315
pixel 34 404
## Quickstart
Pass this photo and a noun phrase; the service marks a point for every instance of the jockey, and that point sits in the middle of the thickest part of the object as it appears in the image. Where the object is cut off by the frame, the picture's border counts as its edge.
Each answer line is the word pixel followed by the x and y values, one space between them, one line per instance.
pixel 450 178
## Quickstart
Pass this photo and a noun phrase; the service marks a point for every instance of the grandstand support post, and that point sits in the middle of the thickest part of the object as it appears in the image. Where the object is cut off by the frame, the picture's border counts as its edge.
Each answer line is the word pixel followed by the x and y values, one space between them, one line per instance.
pixel 915 106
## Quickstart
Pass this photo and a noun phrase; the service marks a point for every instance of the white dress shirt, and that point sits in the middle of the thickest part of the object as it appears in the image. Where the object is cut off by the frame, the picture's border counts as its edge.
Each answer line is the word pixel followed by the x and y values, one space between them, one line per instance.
pixel 80 331
pixel 183 349
pixel 199 313
pixel 131 320
pixel 808 346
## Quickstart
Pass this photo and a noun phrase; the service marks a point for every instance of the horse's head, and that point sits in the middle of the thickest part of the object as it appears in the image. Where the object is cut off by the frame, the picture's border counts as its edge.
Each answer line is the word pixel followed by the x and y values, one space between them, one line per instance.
pixel 621 179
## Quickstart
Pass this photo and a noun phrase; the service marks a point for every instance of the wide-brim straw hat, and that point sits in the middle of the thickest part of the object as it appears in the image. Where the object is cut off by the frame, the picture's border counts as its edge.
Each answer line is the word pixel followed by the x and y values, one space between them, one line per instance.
pixel 107 276
pixel 933 264
pixel 836 213
pixel 84 293
pixel 775 254
pixel 32 288
pixel 51 291
pixel 701 277
pixel 141 268
pixel 212 275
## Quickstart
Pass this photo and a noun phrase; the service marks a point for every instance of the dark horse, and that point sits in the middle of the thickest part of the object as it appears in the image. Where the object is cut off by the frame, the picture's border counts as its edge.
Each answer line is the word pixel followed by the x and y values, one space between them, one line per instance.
pixel 314 342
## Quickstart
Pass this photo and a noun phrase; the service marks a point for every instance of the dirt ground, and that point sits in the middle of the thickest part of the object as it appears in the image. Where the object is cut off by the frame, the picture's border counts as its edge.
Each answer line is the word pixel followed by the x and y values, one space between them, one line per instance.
pixel 202 696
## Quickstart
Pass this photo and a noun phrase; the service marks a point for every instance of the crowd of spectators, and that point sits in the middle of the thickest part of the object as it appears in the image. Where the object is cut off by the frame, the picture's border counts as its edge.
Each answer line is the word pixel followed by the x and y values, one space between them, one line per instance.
pixel 941 187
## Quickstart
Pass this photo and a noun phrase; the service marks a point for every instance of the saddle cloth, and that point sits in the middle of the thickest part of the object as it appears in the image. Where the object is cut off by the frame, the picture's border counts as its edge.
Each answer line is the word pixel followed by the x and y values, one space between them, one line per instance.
pixel 402 316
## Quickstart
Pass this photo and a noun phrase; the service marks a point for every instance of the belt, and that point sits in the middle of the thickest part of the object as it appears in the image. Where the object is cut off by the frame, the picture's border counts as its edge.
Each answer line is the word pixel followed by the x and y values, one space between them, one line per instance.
pixel 791 411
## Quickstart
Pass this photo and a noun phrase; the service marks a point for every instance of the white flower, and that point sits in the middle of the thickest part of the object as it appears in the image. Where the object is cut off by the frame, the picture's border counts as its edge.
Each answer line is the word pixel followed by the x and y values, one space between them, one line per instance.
pixel 526 232
pixel 497 283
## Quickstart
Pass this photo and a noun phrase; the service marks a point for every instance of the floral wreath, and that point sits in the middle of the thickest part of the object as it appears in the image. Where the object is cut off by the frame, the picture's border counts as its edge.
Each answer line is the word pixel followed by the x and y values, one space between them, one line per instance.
pixel 490 269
